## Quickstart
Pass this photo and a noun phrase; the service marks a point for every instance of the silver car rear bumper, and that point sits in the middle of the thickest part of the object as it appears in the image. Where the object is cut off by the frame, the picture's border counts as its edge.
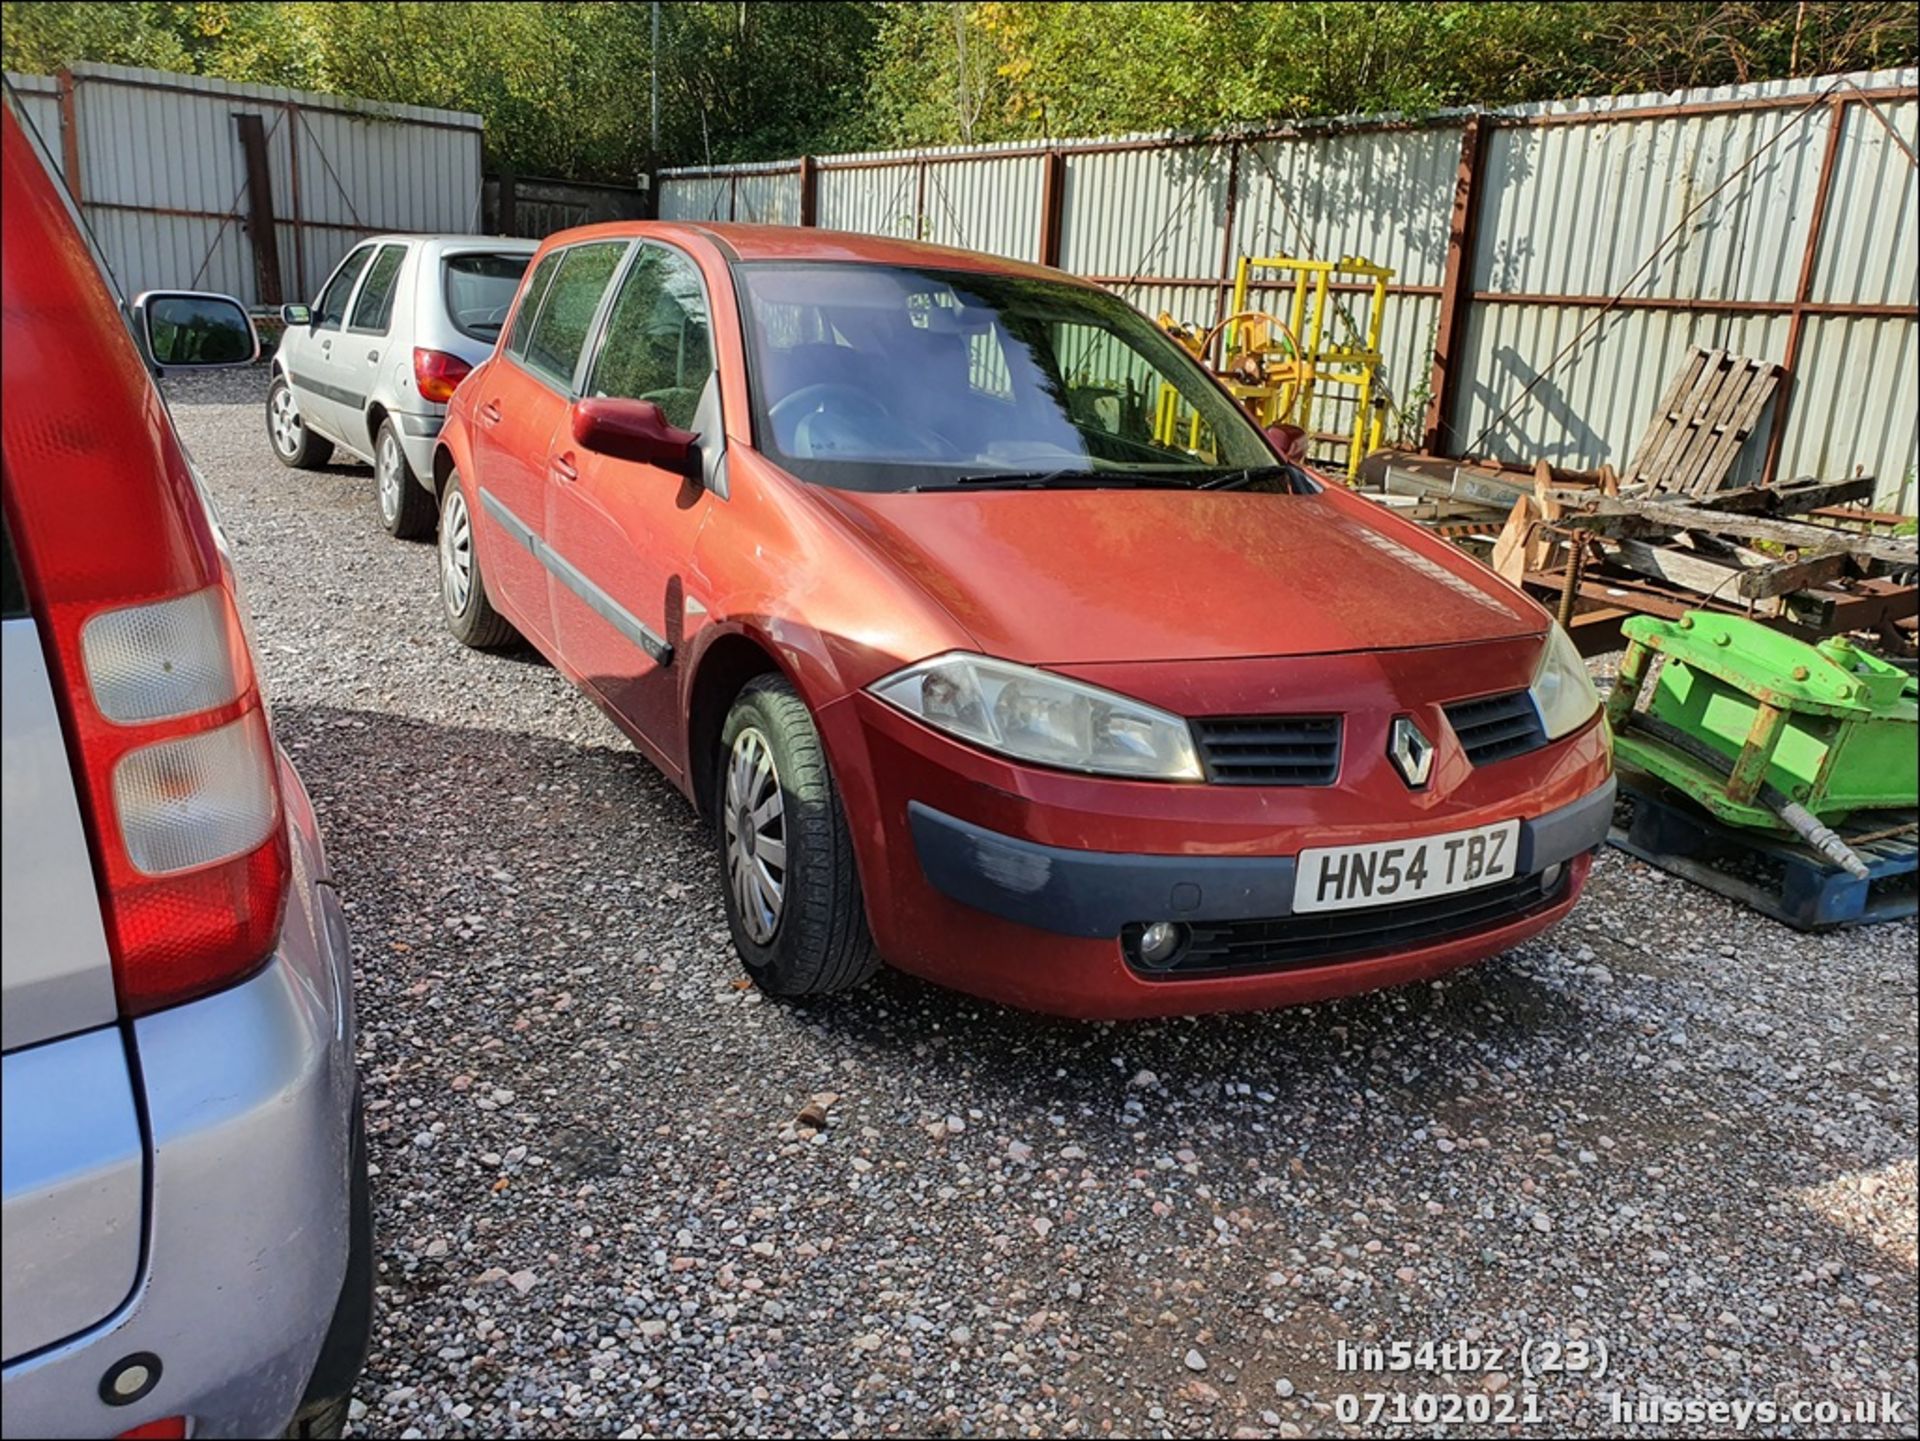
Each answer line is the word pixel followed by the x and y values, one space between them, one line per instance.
pixel 249 1097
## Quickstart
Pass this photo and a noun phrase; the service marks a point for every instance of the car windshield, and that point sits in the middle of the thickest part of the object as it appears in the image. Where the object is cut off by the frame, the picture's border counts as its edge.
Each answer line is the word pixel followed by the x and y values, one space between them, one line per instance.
pixel 480 291
pixel 869 377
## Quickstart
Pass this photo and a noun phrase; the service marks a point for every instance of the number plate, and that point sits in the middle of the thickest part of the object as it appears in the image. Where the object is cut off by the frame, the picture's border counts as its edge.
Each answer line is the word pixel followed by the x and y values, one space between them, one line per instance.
pixel 1338 878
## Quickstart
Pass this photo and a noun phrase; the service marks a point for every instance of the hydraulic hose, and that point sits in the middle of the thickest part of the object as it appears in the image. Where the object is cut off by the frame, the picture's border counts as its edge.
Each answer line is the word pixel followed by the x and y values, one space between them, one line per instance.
pixel 1797 817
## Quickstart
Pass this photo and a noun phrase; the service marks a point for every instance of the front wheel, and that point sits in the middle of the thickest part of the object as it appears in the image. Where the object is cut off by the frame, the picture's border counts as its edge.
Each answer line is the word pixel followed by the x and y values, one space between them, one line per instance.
pixel 294 445
pixel 463 589
pixel 792 894
pixel 406 509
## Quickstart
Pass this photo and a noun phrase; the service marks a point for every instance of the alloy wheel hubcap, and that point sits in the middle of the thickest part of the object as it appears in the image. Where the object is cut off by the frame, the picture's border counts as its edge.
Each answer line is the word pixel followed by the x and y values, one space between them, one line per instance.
pixel 286 421
pixel 456 552
pixel 755 820
pixel 389 468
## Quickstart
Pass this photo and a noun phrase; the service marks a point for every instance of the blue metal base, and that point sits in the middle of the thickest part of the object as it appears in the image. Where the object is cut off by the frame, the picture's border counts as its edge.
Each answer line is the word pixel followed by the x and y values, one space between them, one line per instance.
pixel 1811 894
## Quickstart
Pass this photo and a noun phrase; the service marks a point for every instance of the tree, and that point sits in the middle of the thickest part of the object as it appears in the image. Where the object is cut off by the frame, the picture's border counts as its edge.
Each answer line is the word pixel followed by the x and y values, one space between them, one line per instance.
pixel 1092 69
pixel 562 87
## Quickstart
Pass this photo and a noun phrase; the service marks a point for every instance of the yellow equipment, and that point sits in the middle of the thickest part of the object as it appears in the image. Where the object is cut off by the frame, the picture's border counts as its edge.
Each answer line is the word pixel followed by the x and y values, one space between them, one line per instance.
pixel 1269 369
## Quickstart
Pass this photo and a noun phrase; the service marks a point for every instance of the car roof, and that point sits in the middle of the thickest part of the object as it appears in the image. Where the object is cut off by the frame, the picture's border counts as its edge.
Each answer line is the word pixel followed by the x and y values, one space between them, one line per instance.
pixel 804 244
pixel 509 244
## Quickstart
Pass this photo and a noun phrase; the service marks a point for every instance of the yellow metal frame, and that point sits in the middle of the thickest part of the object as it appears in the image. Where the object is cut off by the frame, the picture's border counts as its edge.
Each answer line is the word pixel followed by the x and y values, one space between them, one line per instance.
pixel 1321 364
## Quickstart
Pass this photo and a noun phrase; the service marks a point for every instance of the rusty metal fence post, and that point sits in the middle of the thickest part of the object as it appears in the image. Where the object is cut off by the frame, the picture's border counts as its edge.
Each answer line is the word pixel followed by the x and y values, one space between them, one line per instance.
pixel 260 225
pixel 1053 194
pixel 1803 289
pixel 69 135
pixel 809 191
pixel 1456 287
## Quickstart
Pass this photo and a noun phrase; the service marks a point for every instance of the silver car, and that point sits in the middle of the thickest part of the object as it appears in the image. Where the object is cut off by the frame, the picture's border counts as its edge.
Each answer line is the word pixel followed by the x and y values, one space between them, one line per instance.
pixel 370 365
pixel 187 1236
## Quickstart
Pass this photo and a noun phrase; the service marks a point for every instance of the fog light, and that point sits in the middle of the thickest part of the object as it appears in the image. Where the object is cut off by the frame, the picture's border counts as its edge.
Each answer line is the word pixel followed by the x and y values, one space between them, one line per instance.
pixel 1161 941
pixel 1550 878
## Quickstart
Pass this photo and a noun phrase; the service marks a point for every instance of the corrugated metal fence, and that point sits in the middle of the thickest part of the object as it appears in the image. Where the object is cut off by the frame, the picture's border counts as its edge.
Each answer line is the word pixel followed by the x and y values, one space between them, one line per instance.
pixel 168 169
pixel 1789 212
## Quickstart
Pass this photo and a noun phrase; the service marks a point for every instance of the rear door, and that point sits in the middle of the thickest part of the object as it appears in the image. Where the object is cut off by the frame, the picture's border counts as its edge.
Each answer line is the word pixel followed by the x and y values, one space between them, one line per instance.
pixel 521 404
pixel 362 345
pixel 74 1162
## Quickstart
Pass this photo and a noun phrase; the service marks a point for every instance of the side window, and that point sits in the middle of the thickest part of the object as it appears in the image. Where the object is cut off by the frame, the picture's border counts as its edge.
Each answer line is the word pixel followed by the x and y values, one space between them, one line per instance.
pixel 536 292
pixel 331 309
pixel 561 329
pixel 374 308
pixel 659 343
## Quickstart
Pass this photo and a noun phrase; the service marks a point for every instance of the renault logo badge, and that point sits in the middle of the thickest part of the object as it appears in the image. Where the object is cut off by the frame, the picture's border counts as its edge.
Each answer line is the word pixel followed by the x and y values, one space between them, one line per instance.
pixel 1410 751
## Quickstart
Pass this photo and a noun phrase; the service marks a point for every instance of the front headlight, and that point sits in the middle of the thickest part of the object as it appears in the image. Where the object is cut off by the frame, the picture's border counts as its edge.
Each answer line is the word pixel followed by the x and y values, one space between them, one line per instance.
pixel 1562 690
pixel 1031 715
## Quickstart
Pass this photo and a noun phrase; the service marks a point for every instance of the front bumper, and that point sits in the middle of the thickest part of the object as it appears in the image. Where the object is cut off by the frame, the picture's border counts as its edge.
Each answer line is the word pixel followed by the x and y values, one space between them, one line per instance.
pixel 249 1097
pixel 1100 893
pixel 1021 885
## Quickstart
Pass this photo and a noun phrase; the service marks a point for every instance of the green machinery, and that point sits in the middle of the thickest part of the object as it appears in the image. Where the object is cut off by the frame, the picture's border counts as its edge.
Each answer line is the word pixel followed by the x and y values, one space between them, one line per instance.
pixel 1767 732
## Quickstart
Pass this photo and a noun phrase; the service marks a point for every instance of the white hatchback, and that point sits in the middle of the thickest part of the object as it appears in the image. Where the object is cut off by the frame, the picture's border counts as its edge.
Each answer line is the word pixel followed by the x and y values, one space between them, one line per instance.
pixel 370 366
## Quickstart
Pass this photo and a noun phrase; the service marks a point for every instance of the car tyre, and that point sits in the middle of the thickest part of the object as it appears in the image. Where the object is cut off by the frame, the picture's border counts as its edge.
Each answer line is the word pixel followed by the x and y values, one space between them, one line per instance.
pixel 327 1421
pixel 463 589
pixel 295 446
pixel 406 507
pixel 786 858
pixel 343 1354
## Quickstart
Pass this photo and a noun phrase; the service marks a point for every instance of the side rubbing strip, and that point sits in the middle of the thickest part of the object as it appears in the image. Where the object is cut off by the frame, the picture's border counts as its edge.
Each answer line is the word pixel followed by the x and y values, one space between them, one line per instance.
pixel 602 604
pixel 352 399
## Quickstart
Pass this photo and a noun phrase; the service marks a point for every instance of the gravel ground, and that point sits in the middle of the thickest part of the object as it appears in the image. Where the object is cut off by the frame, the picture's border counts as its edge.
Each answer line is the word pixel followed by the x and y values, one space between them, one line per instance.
pixel 1671 1128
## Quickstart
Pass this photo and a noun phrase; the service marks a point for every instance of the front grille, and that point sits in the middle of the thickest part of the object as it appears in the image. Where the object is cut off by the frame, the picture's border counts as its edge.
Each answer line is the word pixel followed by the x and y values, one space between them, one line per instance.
pixel 1270 750
pixel 1496 727
pixel 1298 942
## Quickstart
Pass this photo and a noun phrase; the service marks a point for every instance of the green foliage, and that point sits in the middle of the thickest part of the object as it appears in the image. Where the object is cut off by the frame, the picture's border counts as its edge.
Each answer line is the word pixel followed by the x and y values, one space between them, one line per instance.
pixel 1058 69
pixel 40 38
pixel 564 87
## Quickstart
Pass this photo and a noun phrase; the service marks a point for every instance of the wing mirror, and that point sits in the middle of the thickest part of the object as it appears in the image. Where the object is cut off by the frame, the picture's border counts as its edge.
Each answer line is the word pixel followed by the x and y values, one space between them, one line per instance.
pixel 195 329
pixel 635 430
pixel 294 316
pixel 1290 441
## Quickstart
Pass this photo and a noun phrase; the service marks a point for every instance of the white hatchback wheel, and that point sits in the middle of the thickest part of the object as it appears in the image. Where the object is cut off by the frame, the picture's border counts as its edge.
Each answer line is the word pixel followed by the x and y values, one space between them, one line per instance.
pixel 284 418
pixel 390 469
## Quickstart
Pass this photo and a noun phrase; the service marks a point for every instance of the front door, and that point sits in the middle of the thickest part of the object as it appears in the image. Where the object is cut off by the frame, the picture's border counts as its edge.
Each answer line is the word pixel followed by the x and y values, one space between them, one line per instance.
pixel 310 362
pixel 522 402
pixel 623 532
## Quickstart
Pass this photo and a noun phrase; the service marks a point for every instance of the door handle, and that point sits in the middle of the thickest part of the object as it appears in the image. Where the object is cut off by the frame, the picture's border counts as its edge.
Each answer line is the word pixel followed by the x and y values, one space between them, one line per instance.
pixel 563 468
pixel 373 357
pixel 490 414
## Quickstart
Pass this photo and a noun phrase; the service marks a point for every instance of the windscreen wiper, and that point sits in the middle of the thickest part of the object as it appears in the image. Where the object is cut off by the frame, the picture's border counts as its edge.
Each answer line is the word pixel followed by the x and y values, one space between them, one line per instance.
pixel 1291 479
pixel 1069 479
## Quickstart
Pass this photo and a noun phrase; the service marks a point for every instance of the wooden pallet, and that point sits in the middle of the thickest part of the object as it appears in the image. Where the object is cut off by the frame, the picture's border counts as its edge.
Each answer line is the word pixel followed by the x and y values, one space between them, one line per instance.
pixel 1705 417
pixel 1798 886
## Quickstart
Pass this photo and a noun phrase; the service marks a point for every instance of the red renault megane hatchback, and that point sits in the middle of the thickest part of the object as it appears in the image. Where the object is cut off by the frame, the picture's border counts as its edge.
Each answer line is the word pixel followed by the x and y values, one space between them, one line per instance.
pixel 996 641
